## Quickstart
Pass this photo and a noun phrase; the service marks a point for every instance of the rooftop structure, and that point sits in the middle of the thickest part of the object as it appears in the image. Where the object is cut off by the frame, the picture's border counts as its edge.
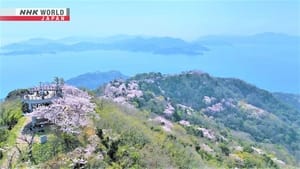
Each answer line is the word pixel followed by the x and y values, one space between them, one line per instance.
pixel 41 95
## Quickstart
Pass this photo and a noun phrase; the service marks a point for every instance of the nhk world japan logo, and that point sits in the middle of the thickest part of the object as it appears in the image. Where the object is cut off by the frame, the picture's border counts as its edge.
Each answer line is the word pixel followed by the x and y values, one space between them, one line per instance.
pixel 35 14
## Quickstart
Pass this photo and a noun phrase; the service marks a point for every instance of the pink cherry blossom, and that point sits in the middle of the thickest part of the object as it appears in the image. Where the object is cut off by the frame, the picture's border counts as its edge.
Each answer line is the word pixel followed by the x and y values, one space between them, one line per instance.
pixel 68 113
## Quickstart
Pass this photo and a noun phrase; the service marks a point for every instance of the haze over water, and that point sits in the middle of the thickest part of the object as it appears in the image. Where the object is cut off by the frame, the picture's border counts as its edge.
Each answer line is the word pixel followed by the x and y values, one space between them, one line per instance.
pixel 264 70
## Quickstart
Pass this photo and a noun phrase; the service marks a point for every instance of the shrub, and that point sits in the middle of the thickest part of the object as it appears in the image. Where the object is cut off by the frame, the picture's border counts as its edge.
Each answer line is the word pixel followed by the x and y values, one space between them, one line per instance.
pixel 70 141
pixel 43 152
pixel 248 149
pixel 3 134
pixel 225 150
pixel 10 113
pixel 133 137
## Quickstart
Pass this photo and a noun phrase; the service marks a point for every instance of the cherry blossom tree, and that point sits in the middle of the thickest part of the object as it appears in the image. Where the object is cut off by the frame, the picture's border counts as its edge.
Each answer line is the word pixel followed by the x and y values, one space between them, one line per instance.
pixel 70 112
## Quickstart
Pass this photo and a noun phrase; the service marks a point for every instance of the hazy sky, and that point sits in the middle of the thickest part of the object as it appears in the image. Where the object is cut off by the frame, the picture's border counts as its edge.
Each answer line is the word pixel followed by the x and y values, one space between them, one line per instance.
pixel 184 19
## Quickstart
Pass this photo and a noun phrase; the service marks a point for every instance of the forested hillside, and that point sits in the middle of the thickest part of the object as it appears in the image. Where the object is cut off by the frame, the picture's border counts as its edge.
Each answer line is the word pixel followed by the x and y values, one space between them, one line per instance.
pixel 188 120
pixel 233 103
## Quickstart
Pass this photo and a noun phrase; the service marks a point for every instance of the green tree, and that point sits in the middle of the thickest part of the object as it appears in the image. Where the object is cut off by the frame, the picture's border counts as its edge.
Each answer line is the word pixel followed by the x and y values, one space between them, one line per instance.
pixel 225 150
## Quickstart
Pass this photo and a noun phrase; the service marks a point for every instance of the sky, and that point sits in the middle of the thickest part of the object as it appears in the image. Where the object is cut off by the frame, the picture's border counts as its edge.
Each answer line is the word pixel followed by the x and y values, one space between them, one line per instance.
pixel 188 20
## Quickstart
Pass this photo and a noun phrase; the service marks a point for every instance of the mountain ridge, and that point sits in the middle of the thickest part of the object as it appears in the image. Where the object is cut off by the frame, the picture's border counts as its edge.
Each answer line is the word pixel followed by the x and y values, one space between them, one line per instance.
pixel 231 102
pixel 155 45
pixel 92 80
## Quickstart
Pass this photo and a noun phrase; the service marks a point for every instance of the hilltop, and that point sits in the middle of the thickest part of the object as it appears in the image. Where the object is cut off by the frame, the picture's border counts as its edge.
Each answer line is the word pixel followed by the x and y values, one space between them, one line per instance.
pixel 93 80
pixel 152 120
